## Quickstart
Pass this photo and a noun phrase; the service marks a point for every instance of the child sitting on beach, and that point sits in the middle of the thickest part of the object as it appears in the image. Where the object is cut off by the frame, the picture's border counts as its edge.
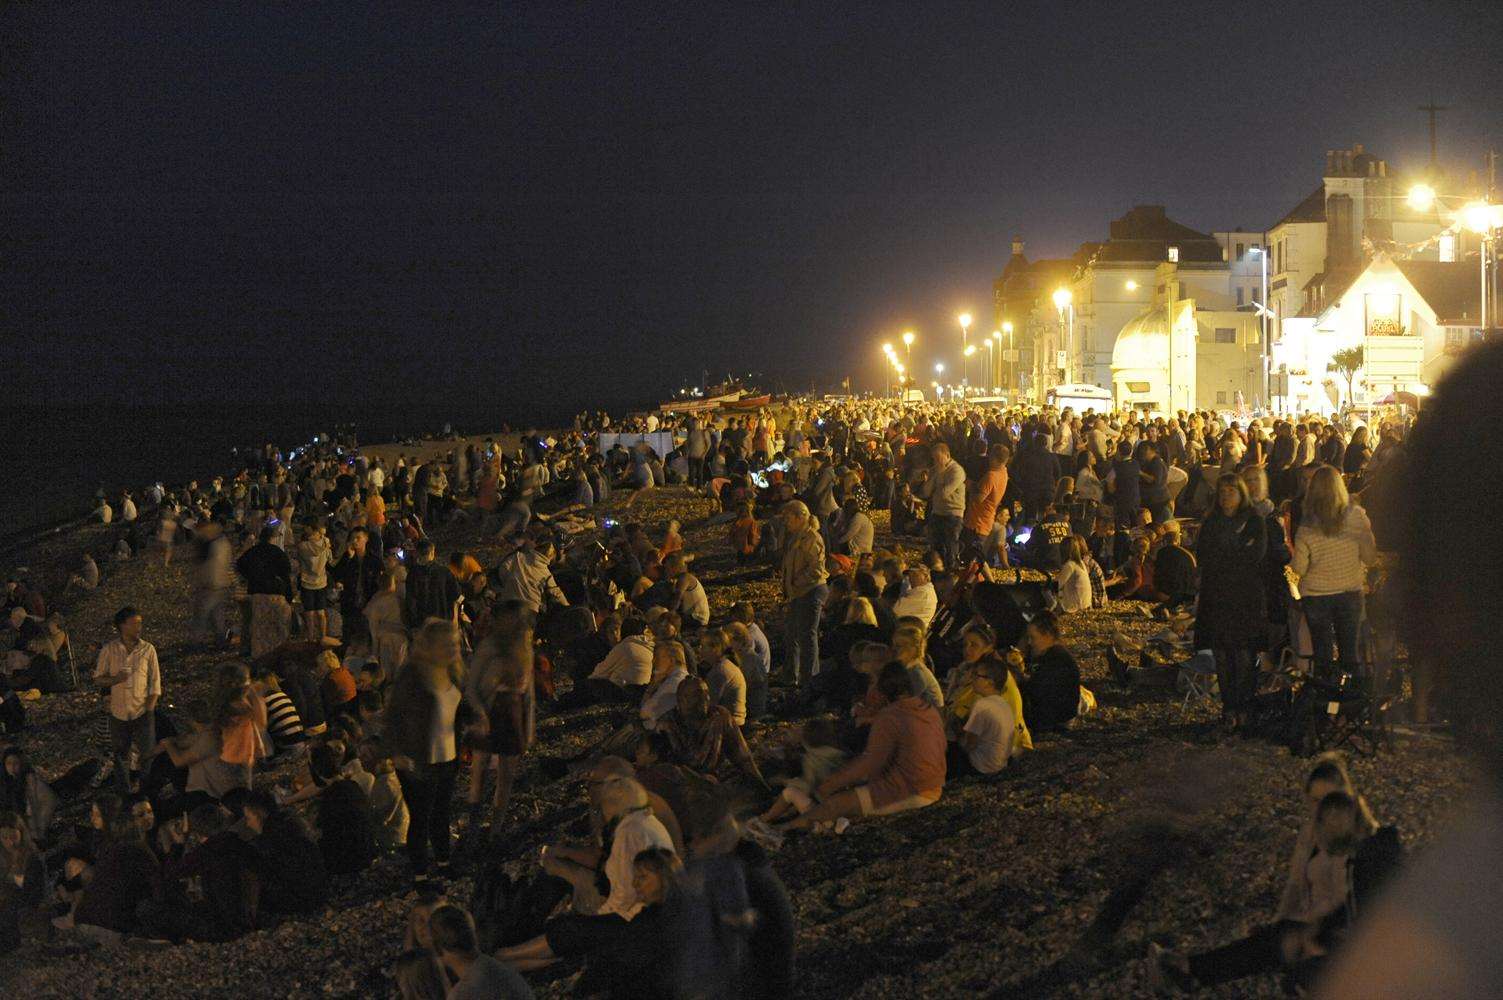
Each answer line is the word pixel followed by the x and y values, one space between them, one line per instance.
pixel 823 756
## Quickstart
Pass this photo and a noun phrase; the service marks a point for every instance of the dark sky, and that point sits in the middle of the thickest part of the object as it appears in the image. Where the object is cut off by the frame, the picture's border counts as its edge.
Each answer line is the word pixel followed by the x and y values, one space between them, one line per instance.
pixel 548 204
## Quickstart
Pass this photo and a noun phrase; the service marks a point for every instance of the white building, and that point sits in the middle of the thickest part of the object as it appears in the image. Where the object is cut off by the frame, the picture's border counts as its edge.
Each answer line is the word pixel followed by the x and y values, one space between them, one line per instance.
pixel 1434 303
pixel 1190 349
pixel 1117 280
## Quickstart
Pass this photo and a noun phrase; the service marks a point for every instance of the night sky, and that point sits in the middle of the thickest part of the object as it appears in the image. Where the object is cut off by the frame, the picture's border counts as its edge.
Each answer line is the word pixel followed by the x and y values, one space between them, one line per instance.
pixel 548 205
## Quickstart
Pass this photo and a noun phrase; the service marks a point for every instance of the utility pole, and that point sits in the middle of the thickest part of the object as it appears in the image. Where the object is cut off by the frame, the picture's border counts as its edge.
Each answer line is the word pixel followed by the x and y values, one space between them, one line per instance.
pixel 1432 109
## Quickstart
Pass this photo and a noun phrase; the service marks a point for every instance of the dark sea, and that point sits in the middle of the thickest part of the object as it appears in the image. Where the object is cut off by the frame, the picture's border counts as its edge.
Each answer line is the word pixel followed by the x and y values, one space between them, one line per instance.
pixel 57 457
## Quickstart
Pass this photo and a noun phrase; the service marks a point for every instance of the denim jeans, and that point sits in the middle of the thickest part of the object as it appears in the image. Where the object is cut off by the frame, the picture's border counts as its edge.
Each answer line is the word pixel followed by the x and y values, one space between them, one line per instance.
pixel 802 634
pixel 1334 616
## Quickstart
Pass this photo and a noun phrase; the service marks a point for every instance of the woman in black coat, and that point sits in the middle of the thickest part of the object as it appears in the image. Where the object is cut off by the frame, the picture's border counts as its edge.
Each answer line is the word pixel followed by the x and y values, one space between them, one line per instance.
pixel 1231 619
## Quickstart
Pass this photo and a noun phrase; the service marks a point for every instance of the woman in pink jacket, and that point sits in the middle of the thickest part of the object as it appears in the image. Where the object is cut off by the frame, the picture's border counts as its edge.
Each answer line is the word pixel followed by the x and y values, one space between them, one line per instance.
pixel 902 768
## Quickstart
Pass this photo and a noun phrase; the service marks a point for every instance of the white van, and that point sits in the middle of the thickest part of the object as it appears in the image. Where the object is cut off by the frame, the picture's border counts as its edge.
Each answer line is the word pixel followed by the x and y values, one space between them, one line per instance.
pixel 1079 397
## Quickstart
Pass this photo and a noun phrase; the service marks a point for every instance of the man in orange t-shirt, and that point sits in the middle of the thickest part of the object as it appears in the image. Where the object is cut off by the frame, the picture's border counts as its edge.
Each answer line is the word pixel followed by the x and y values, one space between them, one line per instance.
pixel 981 512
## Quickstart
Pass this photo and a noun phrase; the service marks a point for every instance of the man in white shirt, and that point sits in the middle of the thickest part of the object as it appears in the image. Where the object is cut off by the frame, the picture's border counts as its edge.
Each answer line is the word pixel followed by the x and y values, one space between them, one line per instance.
pixel 987 735
pixel 628 665
pixel 527 576
pixel 128 668
pixel 918 598
pixel 127 507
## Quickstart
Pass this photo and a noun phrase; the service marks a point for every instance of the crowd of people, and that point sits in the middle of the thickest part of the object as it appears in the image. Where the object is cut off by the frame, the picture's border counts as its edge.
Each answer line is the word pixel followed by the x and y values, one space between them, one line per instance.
pixel 402 690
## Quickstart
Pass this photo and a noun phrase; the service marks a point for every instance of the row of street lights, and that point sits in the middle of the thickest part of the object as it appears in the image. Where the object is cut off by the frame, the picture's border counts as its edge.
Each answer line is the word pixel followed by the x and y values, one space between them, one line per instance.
pixel 967 351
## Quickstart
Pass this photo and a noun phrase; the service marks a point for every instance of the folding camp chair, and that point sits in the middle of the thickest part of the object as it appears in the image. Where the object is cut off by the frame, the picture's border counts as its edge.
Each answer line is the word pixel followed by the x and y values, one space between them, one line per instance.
pixel 1198 677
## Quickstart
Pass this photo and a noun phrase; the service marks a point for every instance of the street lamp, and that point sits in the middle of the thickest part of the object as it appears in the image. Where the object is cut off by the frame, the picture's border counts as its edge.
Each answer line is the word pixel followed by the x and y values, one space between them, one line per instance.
pixel 965 324
pixel 1480 217
pixel 1421 197
pixel 1064 300
pixel 991 358
pixel 965 375
pixel 939 368
pixel 908 345
pixel 1263 321
pixel 1011 347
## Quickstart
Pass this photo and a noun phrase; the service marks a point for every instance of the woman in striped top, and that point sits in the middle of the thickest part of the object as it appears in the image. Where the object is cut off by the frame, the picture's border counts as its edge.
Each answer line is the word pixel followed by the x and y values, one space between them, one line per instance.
pixel 283 724
pixel 1331 548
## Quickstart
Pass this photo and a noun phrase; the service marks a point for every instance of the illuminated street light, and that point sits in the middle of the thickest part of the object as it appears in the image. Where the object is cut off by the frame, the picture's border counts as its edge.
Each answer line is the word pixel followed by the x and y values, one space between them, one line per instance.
pixel 908 344
pixel 1064 300
pixel 939 369
pixel 1421 197
pixel 1479 217
pixel 1131 286
pixel 964 319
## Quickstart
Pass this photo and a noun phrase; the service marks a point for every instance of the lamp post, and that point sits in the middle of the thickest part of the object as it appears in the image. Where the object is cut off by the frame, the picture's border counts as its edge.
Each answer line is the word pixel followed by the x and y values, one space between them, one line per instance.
pixel 1013 370
pixel 1263 323
pixel 1480 217
pixel 887 370
pixel 965 376
pixel 991 361
pixel 908 346
pixel 964 319
pixel 1064 300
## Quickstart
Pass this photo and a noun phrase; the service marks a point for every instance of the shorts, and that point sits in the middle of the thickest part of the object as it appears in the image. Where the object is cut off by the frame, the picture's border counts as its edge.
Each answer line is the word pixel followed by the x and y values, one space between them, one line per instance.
pixel 864 796
pixel 315 600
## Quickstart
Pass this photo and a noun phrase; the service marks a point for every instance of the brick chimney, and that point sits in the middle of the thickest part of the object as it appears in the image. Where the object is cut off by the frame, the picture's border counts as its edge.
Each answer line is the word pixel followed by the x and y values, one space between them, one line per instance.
pixel 1017 246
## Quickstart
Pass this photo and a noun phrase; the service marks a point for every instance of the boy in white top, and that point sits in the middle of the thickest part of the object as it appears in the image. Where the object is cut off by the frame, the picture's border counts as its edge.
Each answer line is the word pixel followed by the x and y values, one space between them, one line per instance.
pixel 128 668
pixel 988 732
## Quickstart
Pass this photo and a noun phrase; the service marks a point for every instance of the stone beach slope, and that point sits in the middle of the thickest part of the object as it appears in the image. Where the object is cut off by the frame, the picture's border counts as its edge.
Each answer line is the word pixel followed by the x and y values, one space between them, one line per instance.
pixel 987 891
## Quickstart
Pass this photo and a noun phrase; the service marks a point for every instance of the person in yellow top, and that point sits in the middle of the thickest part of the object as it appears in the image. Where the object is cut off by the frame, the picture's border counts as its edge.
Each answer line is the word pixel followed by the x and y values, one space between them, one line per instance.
pixel 375 510
pixel 980 643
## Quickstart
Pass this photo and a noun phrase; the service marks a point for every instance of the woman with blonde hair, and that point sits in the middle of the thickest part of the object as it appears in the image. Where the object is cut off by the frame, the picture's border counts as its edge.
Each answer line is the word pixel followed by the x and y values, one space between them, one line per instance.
pixel 422 714
pixel 859 611
pixel 420 976
pixel 910 648
pixel 1332 548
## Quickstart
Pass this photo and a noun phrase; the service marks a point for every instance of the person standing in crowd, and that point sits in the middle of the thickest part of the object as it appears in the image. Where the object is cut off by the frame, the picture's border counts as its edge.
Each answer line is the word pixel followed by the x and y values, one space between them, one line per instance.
pixel 804 590
pixel 313 556
pixel 128 669
pixel 945 491
pixel 980 520
pixel 421 717
pixel 358 572
pixel 1332 547
pixel 213 582
pixel 268 581
pixel 1231 618
pixel 500 687
pixel 432 591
